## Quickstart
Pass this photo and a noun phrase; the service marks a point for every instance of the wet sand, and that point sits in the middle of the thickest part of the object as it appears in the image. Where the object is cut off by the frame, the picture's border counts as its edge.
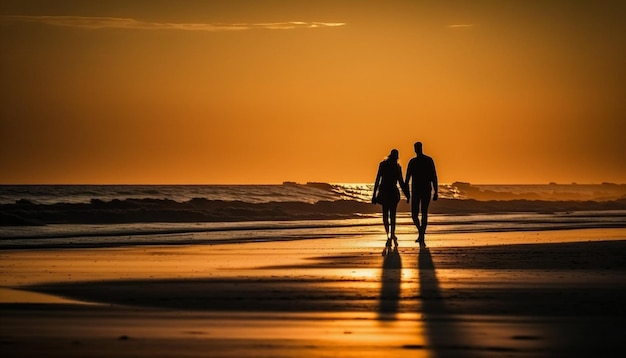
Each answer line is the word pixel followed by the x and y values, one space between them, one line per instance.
pixel 522 294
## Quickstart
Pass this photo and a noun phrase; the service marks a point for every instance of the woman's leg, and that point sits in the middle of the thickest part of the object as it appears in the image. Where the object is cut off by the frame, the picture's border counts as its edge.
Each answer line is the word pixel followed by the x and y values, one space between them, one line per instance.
pixel 386 218
pixel 392 218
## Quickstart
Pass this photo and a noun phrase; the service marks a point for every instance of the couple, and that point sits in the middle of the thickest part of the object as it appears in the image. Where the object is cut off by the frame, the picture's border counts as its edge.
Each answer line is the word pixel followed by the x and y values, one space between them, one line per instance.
pixel 421 170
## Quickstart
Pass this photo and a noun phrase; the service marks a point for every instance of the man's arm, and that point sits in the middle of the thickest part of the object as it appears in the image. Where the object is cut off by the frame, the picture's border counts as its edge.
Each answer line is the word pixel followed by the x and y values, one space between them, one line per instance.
pixel 435 183
pixel 408 177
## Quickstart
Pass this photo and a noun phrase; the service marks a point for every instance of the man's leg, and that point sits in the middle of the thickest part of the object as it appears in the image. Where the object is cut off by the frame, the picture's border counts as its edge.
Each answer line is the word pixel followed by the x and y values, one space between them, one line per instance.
pixel 425 199
pixel 415 211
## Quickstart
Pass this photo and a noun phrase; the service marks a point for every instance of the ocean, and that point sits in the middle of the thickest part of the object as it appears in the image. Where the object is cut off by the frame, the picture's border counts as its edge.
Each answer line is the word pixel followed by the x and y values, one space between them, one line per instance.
pixel 39 216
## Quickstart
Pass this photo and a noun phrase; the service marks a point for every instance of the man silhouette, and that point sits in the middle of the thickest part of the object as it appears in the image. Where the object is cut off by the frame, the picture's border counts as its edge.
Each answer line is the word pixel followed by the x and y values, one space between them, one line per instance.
pixel 422 170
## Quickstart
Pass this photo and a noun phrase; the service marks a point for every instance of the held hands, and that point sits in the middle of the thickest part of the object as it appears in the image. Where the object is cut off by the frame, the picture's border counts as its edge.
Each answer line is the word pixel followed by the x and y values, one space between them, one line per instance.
pixel 406 191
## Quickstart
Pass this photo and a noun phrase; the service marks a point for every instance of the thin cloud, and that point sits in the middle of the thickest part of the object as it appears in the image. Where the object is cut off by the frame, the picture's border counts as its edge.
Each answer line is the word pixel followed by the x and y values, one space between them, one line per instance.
pixel 95 23
pixel 461 26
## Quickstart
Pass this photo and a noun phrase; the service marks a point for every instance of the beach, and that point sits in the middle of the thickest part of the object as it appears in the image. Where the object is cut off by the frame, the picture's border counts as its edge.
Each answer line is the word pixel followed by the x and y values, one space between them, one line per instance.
pixel 220 179
pixel 531 293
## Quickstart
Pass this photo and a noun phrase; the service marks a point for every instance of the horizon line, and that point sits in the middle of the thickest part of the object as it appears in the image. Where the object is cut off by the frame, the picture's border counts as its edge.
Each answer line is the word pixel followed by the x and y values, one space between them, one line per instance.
pixel 298 183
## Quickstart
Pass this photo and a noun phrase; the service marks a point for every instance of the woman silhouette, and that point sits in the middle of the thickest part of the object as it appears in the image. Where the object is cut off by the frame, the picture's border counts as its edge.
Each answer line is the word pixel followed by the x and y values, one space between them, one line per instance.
pixel 387 194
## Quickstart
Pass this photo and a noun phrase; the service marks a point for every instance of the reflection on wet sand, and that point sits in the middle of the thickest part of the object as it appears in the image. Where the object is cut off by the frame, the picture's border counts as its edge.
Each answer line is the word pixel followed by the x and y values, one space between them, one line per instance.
pixel 323 298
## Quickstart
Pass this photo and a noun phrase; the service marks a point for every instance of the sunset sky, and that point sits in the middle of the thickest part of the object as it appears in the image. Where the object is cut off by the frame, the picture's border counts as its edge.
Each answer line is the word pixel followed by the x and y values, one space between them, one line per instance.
pixel 236 92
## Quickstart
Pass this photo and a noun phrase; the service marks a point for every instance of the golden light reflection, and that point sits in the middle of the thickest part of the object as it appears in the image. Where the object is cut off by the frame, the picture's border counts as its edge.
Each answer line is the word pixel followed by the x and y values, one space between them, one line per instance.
pixel 367 274
pixel 20 296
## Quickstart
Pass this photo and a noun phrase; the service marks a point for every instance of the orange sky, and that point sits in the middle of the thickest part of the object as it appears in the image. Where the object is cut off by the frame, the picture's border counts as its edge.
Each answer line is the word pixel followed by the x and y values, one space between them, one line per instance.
pixel 268 91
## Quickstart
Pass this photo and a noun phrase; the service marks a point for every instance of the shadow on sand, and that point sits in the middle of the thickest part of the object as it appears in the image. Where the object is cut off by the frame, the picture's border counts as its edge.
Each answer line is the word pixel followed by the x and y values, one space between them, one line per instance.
pixel 442 334
pixel 390 285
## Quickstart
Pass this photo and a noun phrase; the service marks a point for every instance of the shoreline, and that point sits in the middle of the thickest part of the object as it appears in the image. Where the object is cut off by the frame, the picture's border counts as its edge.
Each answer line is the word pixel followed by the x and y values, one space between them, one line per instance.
pixel 135 234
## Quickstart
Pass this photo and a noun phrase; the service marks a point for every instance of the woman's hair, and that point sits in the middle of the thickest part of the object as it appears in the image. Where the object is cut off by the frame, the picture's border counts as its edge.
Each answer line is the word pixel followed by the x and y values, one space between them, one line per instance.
pixel 393 155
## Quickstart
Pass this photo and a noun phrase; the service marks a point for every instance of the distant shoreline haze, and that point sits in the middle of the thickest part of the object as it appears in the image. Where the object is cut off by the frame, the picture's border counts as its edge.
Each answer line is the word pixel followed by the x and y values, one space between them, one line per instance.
pixel 28 205
pixel 292 191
